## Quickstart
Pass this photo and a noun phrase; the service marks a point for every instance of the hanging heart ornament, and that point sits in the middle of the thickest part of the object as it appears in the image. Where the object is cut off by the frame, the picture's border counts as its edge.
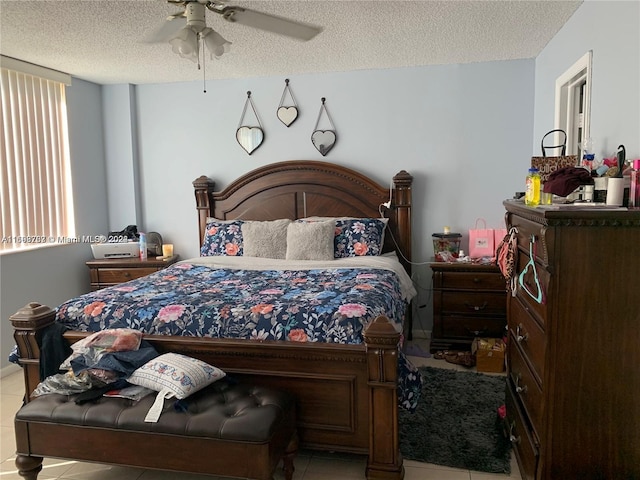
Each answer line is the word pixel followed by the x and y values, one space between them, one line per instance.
pixel 287 115
pixel 249 138
pixel 323 140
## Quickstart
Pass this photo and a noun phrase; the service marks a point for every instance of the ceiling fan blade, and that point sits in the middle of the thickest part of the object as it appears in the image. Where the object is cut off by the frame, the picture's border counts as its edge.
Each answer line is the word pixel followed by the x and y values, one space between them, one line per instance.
pixel 270 23
pixel 165 31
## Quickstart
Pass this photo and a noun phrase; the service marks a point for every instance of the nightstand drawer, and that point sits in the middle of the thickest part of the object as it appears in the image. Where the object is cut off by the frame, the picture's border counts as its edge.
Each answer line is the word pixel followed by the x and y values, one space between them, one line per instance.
pixel 120 275
pixel 470 327
pixel 473 303
pixel 473 281
pixel 109 272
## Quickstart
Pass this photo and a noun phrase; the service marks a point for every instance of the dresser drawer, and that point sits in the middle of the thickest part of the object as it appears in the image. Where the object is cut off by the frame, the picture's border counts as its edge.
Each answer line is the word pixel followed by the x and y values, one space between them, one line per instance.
pixel 525 386
pixel 529 336
pixel 474 303
pixel 473 281
pixel 470 327
pixel 524 444
pixel 528 229
pixel 121 275
pixel 529 283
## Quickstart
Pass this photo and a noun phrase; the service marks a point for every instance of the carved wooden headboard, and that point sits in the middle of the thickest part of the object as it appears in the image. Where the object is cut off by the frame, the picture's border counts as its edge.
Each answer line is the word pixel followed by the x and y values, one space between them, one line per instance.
pixel 297 189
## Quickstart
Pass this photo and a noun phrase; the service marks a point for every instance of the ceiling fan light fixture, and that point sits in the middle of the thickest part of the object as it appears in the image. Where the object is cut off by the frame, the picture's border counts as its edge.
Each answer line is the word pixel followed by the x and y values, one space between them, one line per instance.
pixel 215 42
pixel 185 44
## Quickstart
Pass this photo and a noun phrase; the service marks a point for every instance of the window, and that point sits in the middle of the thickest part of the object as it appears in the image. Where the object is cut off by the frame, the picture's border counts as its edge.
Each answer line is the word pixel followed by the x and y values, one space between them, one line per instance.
pixel 573 104
pixel 35 176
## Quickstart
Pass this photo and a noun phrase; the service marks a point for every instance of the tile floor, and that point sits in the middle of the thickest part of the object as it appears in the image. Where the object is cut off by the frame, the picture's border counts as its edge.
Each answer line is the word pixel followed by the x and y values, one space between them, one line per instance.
pixel 308 465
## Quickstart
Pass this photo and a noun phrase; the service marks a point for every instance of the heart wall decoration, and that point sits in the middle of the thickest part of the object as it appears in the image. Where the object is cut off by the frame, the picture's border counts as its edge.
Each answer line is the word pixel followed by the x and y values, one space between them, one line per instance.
pixel 287 114
pixel 249 137
pixel 324 140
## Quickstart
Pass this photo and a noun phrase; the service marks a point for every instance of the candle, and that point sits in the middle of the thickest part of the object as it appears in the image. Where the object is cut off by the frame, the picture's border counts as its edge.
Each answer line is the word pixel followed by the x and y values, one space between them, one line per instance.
pixel 167 250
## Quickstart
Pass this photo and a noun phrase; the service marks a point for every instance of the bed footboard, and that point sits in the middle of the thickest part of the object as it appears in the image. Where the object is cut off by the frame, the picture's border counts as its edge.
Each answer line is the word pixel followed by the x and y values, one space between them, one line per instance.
pixel 347 394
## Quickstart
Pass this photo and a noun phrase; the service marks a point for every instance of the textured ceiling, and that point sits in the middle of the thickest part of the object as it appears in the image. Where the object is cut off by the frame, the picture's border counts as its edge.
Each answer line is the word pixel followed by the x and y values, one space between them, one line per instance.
pixel 100 41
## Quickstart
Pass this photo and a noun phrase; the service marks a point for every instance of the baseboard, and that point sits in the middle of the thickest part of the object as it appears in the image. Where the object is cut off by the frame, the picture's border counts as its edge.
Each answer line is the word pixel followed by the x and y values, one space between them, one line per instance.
pixel 9 369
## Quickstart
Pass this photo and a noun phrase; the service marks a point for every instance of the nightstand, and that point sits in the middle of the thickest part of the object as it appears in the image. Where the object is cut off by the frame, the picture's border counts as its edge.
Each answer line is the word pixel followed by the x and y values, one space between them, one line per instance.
pixel 112 271
pixel 469 300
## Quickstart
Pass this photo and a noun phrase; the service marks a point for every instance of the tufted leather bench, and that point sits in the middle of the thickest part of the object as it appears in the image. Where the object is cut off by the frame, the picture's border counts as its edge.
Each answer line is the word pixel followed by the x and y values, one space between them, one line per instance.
pixel 225 429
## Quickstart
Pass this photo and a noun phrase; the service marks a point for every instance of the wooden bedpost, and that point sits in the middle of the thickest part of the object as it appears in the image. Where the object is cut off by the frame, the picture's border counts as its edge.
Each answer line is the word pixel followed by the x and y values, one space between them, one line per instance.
pixel 402 204
pixel 203 187
pixel 385 460
pixel 28 324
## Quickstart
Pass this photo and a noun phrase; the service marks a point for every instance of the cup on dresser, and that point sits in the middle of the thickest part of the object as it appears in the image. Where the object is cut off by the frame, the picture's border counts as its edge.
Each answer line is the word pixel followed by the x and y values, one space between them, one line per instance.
pixel 167 250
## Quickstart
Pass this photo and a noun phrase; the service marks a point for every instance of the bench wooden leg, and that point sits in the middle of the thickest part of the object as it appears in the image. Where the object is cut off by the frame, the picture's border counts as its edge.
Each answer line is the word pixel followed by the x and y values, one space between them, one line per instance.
pixel 289 455
pixel 28 467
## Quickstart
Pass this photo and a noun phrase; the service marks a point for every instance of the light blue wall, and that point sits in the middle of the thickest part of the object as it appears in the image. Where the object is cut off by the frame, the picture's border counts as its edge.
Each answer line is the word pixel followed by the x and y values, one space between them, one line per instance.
pixel 52 275
pixel 121 150
pixel 611 29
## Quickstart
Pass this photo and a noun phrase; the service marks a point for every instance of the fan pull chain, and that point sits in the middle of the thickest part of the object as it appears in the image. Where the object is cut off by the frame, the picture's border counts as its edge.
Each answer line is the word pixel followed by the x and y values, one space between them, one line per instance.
pixel 204 74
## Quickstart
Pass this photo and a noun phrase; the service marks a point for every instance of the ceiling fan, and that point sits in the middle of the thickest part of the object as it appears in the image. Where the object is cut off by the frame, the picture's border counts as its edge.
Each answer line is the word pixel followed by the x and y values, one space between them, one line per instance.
pixel 187 30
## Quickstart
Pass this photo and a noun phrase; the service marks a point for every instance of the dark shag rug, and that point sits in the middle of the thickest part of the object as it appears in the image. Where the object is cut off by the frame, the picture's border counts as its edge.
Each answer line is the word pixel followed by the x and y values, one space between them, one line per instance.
pixel 456 423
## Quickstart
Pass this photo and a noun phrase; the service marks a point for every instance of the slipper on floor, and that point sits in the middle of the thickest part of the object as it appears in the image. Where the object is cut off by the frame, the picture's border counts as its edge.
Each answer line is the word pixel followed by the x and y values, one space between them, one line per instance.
pixel 466 359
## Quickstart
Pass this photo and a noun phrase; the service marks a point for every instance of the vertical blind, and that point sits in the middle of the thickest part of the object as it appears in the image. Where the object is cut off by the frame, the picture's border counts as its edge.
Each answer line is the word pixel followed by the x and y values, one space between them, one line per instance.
pixel 35 177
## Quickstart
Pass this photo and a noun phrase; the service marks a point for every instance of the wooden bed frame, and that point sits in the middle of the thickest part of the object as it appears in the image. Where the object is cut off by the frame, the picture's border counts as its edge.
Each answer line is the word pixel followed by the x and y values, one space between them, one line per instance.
pixel 347 394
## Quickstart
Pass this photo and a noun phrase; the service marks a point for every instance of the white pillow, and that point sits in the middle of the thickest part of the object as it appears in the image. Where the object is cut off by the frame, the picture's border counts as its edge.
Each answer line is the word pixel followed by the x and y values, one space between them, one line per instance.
pixel 265 239
pixel 173 375
pixel 310 241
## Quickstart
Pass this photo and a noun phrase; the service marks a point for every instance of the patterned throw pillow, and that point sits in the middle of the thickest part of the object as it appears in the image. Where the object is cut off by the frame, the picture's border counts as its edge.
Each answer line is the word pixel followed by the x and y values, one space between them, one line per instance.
pixel 356 237
pixel 173 375
pixel 222 238
pixel 359 236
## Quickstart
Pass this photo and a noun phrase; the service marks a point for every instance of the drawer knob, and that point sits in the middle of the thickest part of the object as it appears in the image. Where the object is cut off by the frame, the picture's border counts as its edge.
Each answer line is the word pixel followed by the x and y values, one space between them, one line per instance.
pixel 127 274
pixel 512 438
pixel 521 335
pixel 520 388
pixel 476 308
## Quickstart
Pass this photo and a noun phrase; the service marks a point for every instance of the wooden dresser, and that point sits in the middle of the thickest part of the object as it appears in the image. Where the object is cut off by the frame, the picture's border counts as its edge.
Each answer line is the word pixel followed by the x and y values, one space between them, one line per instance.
pixel 109 272
pixel 573 360
pixel 469 300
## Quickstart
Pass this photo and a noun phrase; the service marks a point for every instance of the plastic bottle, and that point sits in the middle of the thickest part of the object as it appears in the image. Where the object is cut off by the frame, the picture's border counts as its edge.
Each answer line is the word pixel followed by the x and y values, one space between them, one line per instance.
pixel 143 246
pixel 532 194
pixel 634 192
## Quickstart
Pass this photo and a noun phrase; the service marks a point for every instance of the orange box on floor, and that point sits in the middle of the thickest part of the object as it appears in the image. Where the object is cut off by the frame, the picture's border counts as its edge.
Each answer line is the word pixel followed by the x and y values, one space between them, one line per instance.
pixel 489 354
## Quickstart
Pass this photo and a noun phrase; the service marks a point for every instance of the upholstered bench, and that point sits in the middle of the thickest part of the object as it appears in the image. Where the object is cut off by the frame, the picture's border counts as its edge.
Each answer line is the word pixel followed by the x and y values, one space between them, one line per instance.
pixel 225 429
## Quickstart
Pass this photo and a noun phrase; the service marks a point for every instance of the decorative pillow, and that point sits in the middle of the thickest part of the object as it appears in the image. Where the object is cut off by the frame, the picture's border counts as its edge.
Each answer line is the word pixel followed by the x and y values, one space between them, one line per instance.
pixel 173 375
pixel 222 238
pixel 359 236
pixel 356 236
pixel 310 241
pixel 265 239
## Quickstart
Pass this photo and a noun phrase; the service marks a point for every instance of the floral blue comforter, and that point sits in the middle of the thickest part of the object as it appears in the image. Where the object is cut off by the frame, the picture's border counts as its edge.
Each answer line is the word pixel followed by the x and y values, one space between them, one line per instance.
pixel 332 305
